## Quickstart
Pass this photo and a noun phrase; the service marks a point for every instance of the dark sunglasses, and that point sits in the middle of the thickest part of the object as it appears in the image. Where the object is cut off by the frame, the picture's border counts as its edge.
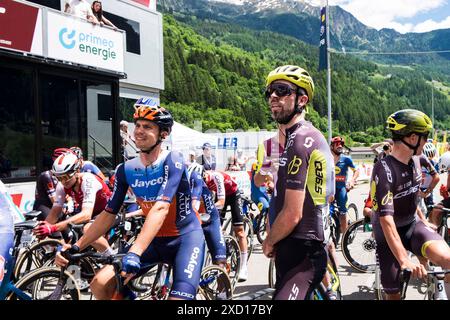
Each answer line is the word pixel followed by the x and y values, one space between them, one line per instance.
pixel 280 89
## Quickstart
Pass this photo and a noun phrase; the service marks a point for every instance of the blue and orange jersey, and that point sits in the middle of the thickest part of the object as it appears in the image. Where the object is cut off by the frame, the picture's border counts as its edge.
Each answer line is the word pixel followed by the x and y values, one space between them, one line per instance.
pixel 164 180
pixel 341 169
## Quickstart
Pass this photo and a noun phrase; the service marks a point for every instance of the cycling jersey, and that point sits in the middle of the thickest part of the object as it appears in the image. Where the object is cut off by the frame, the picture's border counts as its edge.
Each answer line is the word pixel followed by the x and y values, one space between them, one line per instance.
pixel 45 188
pixel 6 235
pixel 92 193
pixel 394 189
pixel 306 164
pixel 222 184
pixel 342 166
pixel 180 239
pixel 164 180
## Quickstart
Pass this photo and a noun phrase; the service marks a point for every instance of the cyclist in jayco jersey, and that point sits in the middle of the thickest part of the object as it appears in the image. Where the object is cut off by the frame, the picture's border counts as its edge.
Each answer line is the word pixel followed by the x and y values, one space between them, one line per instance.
pixel 172 232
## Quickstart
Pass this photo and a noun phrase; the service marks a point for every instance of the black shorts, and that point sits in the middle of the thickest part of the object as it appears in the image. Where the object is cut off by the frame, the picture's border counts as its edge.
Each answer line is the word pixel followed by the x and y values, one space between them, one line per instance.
pixel 415 238
pixel 235 203
pixel 300 267
pixel 446 203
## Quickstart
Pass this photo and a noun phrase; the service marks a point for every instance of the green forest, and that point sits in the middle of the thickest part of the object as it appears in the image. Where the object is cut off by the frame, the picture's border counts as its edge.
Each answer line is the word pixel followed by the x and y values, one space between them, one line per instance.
pixel 215 73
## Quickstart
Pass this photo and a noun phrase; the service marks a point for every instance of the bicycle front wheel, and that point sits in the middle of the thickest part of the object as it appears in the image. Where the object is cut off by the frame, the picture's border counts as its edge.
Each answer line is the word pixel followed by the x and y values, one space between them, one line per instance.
pixel 358 246
pixel 352 213
pixel 48 283
pixel 215 284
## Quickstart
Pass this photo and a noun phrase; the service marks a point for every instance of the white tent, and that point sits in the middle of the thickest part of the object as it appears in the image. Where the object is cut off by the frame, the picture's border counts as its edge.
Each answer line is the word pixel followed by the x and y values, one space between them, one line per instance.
pixel 184 139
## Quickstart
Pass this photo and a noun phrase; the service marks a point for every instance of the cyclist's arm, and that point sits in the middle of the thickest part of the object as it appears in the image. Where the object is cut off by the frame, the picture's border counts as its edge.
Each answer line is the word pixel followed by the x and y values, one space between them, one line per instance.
pixel 197 186
pixel 261 180
pixel 220 185
pixel 152 224
pixel 355 171
pixel 89 187
pixel 136 213
pixel 174 169
pixel 58 204
pixel 426 163
pixel 433 184
pixel 105 220
pixel 50 188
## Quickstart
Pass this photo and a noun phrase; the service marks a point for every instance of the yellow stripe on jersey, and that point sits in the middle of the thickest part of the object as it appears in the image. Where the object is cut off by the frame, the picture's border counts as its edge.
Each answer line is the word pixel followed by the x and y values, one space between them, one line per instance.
pixel 316 177
pixel 260 155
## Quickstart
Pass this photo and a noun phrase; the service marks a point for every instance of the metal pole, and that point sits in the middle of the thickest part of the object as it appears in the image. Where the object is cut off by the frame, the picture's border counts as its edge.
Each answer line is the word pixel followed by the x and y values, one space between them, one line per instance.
pixel 432 103
pixel 330 133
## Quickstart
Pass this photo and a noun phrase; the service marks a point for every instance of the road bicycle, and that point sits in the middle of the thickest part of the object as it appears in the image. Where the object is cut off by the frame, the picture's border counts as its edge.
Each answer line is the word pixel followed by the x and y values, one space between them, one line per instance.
pixel 58 285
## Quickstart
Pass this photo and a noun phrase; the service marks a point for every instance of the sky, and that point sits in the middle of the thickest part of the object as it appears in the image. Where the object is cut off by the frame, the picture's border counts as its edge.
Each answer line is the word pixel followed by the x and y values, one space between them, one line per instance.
pixel 402 15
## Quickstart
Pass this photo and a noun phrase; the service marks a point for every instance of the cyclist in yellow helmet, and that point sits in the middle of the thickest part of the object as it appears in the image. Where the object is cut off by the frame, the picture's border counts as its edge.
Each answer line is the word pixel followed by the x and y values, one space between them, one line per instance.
pixel 397 224
pixel 299 211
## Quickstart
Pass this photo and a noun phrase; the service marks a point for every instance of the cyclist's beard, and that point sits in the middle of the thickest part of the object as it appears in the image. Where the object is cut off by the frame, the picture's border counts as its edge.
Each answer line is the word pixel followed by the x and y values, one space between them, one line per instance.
pixel 338 151
pixel 282 116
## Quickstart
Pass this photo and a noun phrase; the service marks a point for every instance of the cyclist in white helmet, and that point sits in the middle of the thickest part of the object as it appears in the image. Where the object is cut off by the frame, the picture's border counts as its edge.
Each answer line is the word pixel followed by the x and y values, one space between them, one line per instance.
pixel 429 177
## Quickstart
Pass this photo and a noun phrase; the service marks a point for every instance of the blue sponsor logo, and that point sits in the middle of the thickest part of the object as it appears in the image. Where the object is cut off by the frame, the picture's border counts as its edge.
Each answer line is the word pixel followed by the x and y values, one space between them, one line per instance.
pixel 70 44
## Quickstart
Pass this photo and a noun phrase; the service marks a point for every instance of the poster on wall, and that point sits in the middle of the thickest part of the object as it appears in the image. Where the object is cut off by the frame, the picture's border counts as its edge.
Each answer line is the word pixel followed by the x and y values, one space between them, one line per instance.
pixel 21 27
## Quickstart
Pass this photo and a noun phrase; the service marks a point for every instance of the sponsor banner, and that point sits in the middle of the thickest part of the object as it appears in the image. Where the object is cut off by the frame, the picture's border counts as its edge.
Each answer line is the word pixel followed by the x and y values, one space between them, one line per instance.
pixel 22 196
pixel 242 178
pixel 21 27
pixel 74 40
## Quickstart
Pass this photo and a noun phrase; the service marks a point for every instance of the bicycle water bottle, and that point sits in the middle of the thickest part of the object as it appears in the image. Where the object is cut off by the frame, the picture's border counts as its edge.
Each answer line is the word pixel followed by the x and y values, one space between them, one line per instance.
pixel 439 285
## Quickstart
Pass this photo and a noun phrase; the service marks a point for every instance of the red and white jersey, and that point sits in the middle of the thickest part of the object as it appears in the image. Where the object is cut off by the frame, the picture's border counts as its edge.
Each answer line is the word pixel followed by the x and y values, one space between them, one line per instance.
pixel 222 184
pixel 93 193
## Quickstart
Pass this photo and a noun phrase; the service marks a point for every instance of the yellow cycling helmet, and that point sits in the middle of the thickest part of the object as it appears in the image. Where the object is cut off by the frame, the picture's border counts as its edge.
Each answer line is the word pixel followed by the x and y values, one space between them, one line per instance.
pixel 407 121
pixel 295 75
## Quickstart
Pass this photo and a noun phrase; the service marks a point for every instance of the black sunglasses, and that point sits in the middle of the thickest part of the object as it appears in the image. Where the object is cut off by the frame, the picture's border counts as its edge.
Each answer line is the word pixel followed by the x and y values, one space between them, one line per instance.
pixel 280 89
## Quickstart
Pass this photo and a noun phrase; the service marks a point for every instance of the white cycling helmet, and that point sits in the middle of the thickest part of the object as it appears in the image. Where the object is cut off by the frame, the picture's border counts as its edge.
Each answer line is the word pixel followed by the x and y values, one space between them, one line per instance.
pixel 67 163
pixel 429 150
pixel 195 167
pixel 444 162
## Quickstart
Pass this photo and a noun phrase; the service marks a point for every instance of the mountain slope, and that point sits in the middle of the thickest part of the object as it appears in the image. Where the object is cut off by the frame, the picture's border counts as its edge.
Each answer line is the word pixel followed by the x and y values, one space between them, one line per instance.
pixel 215 73
pixel 300 20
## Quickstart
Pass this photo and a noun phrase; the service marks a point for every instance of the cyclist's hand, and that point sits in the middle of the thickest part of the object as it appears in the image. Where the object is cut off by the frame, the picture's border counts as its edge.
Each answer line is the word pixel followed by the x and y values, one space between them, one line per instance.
pixel 59 259
pixel 417 270
pixel 268 250
pixel 44 229
pixel 131 264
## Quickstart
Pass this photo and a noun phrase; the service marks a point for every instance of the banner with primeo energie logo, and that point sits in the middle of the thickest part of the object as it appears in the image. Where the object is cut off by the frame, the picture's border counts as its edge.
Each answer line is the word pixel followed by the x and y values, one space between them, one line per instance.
pixel 79 41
